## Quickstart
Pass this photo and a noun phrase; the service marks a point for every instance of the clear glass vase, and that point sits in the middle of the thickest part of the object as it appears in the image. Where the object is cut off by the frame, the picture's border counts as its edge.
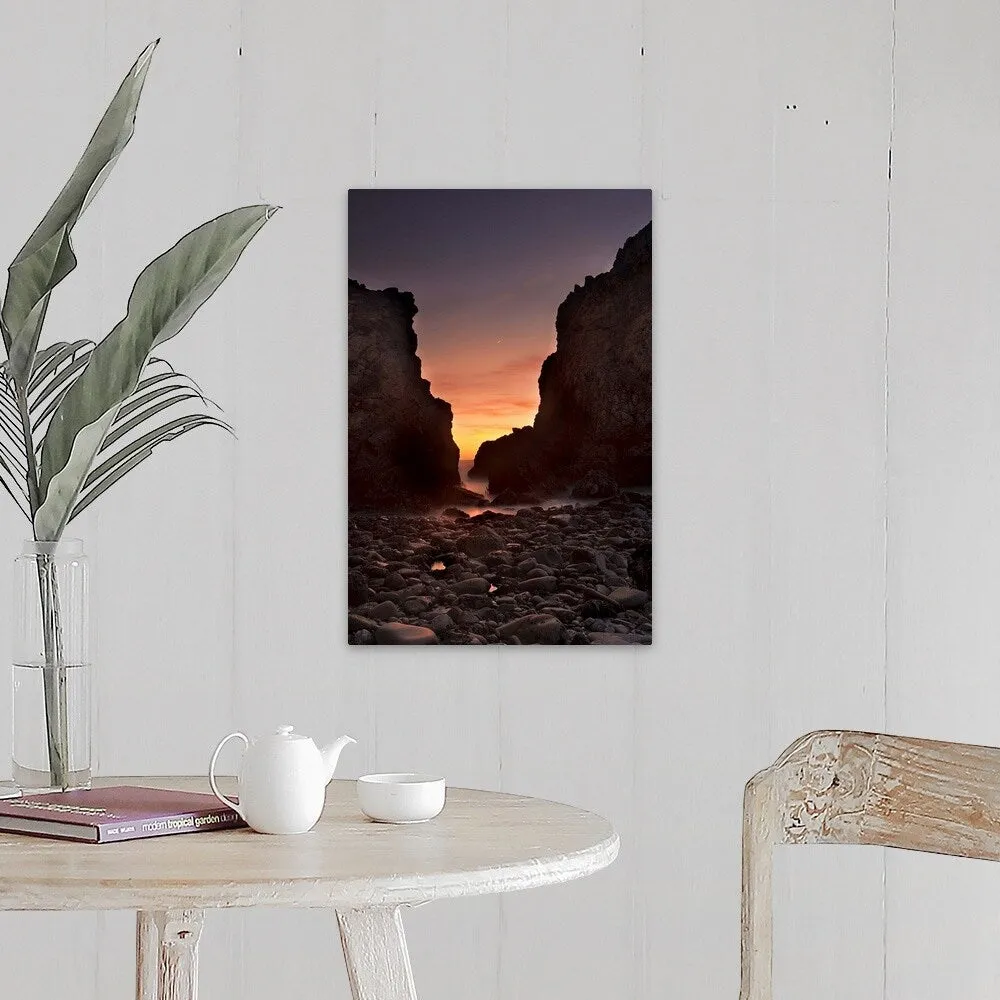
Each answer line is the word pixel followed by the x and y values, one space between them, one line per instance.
pixel 51 667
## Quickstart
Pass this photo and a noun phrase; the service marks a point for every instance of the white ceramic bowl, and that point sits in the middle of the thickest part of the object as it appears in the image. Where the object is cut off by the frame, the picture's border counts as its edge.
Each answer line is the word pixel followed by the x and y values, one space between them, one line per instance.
pixel 401 798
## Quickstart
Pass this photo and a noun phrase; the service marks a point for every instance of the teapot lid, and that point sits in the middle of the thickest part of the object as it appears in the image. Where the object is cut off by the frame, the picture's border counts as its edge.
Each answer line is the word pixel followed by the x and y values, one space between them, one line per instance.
pixel 286 733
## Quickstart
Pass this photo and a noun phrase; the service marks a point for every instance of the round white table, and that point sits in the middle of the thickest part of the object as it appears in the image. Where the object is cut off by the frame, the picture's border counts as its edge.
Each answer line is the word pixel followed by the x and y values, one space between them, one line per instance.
pixel 482 842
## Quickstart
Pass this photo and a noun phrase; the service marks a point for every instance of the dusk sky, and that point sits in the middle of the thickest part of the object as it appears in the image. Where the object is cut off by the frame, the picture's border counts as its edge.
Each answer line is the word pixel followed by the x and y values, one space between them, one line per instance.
pixel 488 269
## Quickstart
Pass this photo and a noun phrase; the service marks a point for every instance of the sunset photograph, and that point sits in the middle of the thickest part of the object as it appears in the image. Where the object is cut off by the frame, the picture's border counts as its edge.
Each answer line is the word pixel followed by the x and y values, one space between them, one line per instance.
pixel 499 416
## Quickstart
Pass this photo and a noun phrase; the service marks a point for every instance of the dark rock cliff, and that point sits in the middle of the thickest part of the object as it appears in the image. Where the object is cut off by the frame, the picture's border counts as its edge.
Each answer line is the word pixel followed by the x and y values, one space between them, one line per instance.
pixel 400 448
pixel 595 410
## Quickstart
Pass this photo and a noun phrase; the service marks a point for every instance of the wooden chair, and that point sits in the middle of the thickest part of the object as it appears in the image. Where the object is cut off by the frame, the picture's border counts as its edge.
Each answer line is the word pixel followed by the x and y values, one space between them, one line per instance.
pixel 861 788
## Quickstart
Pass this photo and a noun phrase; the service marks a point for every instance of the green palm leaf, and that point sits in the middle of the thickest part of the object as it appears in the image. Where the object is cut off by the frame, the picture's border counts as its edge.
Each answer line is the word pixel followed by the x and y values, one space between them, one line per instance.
pixel 48 360
pixel 165 296
pixel 48 255
pixel 123 461
pixel 46 394
pixel 13 464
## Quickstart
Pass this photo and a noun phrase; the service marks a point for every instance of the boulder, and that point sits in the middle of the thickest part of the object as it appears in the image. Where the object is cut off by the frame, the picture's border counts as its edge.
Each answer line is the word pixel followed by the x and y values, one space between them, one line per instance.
pixel 532 630
pixel 480 541
pixel 628 597
pixel 385 611
pixel 355 623
pixel 400 634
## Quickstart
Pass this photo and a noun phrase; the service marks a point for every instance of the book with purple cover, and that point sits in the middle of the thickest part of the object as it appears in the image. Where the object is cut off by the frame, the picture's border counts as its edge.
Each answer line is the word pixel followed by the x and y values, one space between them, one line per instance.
pixel 120 812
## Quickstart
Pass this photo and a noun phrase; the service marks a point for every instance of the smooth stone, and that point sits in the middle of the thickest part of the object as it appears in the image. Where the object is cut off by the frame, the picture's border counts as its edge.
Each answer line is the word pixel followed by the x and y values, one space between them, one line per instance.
pixel 401 634
pixel 385 611
pixel 562 520
pixel 608 639
pixel 441 623
pixel 355 623
pixel 532 629
pixel 629 597
pixel 417 605
pixel 537 573
pixel 474 585
pixel 549 555
pixel 478 543
pixel 394 581
pixel 361 638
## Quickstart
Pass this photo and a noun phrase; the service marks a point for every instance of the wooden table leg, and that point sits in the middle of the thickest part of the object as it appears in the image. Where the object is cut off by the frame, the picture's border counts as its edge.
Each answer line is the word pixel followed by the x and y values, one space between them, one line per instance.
pixel 378 965
pixel 147 953
pixel 167 954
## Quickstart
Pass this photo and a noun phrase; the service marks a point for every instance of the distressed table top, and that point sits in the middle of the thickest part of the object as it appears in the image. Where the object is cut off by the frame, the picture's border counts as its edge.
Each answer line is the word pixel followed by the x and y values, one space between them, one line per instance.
pixel 482 842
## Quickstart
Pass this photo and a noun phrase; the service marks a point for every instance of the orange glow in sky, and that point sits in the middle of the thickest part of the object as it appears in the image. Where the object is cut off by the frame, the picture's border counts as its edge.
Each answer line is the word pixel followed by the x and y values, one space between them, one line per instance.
pixel 491 391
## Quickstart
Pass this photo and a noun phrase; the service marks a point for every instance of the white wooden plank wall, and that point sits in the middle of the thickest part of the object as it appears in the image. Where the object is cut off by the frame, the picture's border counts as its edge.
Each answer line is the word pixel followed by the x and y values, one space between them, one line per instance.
pixel 944 449
pixel 823 558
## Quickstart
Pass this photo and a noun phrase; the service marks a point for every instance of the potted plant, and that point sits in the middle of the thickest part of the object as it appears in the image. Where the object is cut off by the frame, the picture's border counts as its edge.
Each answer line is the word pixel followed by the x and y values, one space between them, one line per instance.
pixel 75 417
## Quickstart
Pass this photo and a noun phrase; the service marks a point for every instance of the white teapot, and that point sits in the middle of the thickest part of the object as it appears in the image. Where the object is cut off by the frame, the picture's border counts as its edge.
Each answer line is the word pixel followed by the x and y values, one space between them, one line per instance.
pixel 282 780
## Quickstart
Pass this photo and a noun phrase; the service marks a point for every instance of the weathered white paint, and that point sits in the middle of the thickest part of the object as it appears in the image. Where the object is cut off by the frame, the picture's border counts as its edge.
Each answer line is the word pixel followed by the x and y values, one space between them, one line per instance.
pixel 801 519
pixel 378 964
pixel 147 956
pixel 179 933
pixel 851 788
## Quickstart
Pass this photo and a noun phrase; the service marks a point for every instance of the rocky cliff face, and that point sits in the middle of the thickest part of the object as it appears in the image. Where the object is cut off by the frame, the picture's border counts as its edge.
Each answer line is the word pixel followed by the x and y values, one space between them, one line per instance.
pixel 400 448
pixel 595 410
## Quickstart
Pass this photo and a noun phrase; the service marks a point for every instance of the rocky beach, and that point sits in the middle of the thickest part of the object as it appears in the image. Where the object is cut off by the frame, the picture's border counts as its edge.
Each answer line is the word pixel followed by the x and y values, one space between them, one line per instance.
pixel 575 573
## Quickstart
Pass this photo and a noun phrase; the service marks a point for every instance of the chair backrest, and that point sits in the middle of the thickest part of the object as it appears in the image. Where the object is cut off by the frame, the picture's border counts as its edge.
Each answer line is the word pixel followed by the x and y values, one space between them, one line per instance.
pixel 835 787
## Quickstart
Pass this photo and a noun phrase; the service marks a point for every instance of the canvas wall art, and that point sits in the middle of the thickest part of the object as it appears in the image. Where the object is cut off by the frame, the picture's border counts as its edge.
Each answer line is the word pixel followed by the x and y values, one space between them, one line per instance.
pixel 500 403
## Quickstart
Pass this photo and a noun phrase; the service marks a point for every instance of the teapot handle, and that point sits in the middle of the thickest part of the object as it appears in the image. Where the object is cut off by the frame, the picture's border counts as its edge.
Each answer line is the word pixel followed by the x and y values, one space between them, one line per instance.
pixel 211 774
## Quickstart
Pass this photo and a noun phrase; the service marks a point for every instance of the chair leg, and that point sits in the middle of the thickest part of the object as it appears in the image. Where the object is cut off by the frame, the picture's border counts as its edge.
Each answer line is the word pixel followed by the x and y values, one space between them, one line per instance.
pixel 378 964
pixel 756 924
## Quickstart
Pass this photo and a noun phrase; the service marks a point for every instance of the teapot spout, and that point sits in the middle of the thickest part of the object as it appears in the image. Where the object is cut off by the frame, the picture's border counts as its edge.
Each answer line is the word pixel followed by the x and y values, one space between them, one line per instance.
pixel 331 754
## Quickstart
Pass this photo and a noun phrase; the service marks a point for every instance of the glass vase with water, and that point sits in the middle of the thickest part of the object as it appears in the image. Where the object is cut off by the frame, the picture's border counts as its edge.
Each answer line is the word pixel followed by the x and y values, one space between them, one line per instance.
pixel 51 667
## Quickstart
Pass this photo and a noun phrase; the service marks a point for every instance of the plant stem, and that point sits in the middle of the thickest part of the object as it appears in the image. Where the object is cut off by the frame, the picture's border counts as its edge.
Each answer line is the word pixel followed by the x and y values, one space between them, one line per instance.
pixel 54 670
pixel 53 673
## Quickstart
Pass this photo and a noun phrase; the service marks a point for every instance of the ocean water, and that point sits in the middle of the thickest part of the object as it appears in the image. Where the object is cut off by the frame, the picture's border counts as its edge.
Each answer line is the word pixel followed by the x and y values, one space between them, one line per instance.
pixel 479 485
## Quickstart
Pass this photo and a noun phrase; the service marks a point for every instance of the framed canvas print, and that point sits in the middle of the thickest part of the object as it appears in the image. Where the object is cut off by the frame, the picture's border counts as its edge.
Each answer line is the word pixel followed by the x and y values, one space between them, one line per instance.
pixel 500 405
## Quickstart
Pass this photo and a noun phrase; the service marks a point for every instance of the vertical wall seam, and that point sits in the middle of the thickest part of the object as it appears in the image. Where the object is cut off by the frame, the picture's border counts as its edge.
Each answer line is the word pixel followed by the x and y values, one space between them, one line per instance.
pixel 885 460
pixel 237 926
pixel 376 87
pixel 506 87
pixel 772 310
pixel 234 687
pixel 99 924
